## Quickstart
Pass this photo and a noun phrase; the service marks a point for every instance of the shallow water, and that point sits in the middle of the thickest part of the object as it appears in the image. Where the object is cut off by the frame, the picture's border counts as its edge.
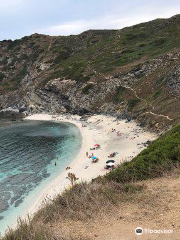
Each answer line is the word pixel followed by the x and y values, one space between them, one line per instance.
pixel 28 152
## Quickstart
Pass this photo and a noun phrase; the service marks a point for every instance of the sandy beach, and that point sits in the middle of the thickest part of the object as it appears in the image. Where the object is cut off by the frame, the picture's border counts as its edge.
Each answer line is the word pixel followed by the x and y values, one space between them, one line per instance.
pixel 127 140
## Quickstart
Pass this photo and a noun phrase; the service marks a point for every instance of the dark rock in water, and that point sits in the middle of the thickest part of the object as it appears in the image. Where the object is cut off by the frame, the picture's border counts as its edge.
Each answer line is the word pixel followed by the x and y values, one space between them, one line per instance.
pixel 17 179
pixel 3 205
pixel 13 200
pixel 11 113
pixel 1 217
pixel 6 196
pixel 18 202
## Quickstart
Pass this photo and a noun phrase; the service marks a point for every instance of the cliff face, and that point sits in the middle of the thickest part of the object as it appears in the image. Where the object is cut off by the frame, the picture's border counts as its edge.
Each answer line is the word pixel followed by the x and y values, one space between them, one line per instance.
pixel 131 72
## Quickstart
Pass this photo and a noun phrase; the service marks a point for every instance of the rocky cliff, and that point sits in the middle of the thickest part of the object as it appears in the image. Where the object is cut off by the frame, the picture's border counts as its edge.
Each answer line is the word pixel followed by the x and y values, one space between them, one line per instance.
pixel 133 72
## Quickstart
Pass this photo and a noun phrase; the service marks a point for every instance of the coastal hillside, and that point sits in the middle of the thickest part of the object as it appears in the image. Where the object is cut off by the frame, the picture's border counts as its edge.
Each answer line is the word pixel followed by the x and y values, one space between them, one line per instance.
pixel 131 73
pixel 144 192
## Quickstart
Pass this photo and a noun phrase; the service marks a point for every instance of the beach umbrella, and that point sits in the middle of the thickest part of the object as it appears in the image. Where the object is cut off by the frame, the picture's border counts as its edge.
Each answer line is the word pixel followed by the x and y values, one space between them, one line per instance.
pixel 94 157
pixel 110 164
pixel 96 145
pixel 110 161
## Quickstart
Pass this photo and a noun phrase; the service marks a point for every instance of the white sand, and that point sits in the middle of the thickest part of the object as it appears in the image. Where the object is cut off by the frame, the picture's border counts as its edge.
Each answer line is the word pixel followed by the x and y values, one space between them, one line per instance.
pixel 98 131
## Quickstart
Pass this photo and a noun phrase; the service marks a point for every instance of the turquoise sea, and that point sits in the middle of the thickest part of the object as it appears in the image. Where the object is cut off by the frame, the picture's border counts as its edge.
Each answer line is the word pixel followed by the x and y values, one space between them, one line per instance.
pixel 28 152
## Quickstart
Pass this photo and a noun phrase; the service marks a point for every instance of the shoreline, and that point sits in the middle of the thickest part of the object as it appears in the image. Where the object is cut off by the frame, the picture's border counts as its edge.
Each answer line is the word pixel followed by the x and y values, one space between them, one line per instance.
pixel 78 164
pixel 38 203
pixel 128 140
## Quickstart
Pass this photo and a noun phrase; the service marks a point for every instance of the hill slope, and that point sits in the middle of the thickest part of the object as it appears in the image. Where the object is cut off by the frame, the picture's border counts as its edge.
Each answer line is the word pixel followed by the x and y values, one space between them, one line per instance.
pixel 133 72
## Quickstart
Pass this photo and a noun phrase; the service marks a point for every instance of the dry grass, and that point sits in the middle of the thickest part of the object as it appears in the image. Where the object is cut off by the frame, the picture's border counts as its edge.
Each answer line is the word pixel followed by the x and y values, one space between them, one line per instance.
pixel 85 200
pixel 81 203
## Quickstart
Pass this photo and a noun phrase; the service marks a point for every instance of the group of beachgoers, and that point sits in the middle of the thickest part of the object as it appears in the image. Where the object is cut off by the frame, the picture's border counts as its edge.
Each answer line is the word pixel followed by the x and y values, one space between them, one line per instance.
pixel 110 164
pixel 118 133
pixel 94 158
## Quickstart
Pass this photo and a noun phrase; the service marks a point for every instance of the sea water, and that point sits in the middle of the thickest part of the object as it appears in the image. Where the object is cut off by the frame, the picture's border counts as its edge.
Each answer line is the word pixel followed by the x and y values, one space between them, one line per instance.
pixel 28 152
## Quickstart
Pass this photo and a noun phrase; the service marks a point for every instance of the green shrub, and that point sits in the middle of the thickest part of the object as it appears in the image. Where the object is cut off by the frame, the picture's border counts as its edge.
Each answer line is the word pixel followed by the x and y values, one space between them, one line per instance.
pixel 156 94
pixel 18 78
pixel 13 44
pixel 2 76
pixel 117 96
pixel 135 36
pixel 23 57
pixel 4 61
pixel 63 55
pixel 86 89
pixel 159 42
pixel 132 103
pixel 160 81
pixel 36 54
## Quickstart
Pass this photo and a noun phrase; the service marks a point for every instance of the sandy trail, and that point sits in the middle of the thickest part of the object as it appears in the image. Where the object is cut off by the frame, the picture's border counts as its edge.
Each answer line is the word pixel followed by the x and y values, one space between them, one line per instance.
pixel 128 143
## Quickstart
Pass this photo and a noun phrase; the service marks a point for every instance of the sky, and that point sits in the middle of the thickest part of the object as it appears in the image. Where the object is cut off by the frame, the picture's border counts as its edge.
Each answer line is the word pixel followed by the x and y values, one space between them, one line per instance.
pixel 19 18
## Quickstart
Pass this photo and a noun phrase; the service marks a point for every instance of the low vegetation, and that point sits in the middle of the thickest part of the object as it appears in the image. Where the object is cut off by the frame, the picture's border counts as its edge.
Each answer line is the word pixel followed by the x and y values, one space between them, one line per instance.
pixel 133 102
pixel 87 88
pixel 82 202
pixel 75 57
pixel 2 76
pixel 157 94
pixel 117 98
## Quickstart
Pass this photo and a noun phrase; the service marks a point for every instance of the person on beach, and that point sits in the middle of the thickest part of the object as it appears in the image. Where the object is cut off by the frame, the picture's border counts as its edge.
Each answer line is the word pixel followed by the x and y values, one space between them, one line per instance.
pixel 68 168
pixel 55 164
pixel 86 154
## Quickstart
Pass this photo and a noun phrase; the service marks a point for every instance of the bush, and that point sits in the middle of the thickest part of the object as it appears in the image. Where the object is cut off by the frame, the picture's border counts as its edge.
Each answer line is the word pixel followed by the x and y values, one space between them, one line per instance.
pixel 63 55
pixel 159 42
pixel 2 76
pixel 135 36
pixel 4 61
pixel 18 78
pixel 117 96
pixel 132 103
pixel 86 89
pixel 156 94
pixel 13 44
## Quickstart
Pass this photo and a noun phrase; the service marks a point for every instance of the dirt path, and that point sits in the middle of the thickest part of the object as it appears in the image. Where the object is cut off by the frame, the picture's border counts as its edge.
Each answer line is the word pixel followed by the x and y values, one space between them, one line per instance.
pixel 154 208
pixel 147 104
pixel 50 45
pixel 160 115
